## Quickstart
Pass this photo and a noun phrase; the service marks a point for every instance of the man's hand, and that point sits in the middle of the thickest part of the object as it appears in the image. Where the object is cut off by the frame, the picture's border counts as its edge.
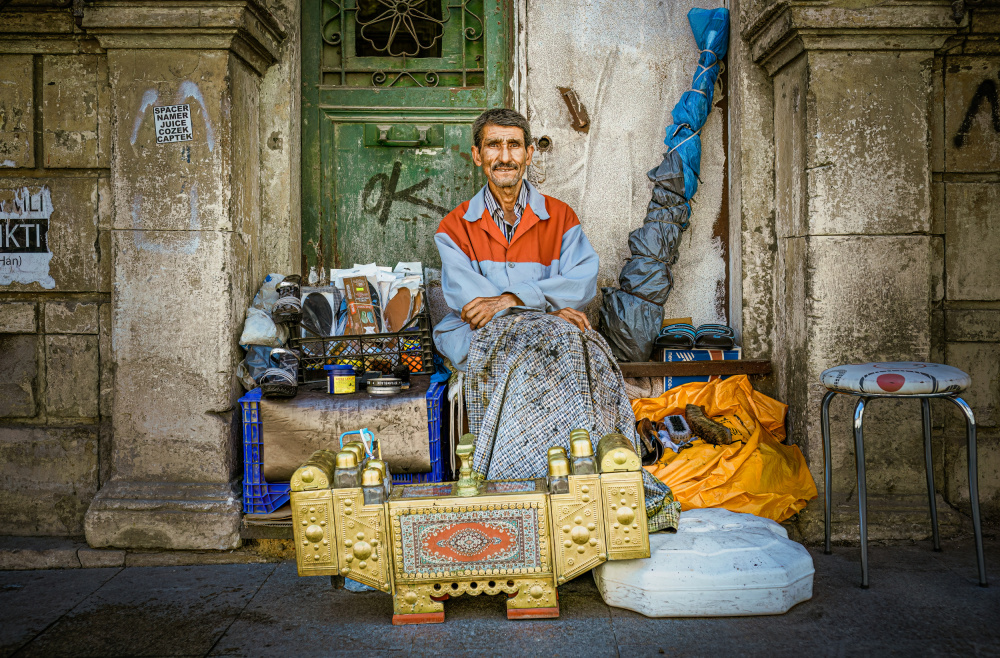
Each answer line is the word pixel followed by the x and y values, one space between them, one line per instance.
pixel 482 309
pixel 574 316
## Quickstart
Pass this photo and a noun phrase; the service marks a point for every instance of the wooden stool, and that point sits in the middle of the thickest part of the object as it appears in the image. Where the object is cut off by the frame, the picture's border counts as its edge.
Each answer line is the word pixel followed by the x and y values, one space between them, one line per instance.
pixel 899 380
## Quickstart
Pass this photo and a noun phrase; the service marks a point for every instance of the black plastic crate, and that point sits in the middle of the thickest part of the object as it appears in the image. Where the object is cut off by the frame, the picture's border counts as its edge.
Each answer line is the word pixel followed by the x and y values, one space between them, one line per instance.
pixel 413 347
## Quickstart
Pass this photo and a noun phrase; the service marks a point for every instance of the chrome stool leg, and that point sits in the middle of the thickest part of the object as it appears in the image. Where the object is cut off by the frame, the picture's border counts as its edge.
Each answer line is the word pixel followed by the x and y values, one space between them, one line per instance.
pixel 859 456
pixel 925 409
pixel 827 466
pixel 970 435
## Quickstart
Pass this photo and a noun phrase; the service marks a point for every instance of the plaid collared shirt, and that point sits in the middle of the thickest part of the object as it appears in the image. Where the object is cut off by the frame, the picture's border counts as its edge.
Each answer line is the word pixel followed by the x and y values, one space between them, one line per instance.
pixel 496 211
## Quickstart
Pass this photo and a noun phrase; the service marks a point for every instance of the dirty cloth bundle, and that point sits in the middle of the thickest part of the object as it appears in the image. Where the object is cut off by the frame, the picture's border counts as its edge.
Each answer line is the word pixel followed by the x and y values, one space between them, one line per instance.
pixel 756 474
pixel 533 377
pixel 292 429
pixel 631 314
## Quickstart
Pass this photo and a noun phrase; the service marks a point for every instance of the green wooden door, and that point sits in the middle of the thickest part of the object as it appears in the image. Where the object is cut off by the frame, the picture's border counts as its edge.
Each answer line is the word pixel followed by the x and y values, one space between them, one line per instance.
pixel 390 90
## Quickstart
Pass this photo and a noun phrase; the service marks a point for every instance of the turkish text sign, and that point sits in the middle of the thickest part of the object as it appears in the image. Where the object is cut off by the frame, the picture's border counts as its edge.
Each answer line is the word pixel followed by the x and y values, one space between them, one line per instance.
pixel 173 123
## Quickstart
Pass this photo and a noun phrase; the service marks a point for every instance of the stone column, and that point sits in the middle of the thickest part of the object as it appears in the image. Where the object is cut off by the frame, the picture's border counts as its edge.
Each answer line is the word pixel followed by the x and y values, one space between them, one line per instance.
pixel 858 263
pixel 186 242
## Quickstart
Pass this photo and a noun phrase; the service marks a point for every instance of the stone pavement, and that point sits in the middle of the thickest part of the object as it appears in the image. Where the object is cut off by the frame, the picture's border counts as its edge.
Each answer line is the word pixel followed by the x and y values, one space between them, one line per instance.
pixel 920 603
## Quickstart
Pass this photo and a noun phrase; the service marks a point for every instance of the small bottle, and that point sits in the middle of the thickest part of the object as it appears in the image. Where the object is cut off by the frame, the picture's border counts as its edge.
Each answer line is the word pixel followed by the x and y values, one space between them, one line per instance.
pixel 359 452
pixel 374 490
pixel 558 475
pixel 313 277
pixel 383 468
pixel 583 453
pixel 345 475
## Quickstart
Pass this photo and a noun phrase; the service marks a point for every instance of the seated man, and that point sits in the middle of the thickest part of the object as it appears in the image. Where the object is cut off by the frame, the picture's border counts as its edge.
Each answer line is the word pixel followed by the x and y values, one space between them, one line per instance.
pixel 517 272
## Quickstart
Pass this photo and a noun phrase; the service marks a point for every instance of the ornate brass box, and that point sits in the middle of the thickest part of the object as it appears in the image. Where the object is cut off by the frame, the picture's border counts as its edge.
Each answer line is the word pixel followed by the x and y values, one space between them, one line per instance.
pixel 429 542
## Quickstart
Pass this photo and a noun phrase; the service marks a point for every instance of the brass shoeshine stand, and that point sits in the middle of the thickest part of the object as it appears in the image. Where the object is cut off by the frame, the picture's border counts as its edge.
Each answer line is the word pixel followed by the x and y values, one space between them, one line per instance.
pixel 428 542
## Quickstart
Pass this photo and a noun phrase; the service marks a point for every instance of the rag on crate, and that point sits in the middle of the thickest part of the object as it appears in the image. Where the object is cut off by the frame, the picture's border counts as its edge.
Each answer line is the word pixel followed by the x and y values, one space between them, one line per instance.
pixel 532 377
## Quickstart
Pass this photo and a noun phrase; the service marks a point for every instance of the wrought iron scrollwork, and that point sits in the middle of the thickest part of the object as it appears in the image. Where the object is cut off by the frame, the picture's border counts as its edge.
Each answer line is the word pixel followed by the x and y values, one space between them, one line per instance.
pixel 389 36
pixel 402 14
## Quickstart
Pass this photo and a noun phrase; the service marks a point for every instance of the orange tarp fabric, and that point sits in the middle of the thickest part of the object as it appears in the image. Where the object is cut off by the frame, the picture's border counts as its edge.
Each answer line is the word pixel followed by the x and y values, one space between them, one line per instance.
pixel 756 474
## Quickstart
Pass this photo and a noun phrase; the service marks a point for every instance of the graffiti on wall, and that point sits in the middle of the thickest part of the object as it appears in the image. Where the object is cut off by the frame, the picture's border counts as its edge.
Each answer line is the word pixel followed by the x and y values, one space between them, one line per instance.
pixel 986 93
pixel 24 236
pixel 386 184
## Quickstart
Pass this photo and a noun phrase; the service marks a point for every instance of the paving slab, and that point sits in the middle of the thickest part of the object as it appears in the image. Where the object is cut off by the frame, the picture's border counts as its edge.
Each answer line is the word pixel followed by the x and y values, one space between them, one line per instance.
pixel 31 601
pixel 39 553
pixel 154 611
pixel 920 603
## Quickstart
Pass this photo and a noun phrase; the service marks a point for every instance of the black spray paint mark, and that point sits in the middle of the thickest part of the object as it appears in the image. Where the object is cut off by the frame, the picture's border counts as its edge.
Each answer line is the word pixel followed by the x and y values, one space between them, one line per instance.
pixel 986 92
pixel 388 194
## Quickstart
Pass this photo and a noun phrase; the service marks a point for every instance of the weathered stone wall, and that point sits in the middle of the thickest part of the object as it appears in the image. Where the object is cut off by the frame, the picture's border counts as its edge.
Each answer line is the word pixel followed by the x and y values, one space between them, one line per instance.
pixel 865 229
pixel 156 250
pixel 966 193
pixel 56 374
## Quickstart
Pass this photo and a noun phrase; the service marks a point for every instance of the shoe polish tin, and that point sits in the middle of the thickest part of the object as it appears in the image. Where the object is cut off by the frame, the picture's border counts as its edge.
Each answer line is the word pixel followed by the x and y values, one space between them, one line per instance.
pixel 340 379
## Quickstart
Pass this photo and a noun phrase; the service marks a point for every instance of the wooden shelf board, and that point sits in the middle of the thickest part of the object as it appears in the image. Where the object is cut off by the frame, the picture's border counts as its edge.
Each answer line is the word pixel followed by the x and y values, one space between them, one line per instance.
pixel 696 368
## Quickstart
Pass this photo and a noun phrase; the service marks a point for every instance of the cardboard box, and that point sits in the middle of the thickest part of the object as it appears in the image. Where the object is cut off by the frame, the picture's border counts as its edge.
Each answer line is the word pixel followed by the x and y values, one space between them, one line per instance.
pixel 360 312
pixel 670 356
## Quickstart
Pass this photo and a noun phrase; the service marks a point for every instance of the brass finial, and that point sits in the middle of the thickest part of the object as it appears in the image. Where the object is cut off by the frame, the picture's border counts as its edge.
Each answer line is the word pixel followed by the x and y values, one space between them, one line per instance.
pixel 558 467
pixel 467 484
pixel 346 459
pixel 371 478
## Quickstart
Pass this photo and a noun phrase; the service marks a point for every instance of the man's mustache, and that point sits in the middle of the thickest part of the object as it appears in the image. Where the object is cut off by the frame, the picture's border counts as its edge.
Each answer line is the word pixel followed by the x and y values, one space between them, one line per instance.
pixel 504 165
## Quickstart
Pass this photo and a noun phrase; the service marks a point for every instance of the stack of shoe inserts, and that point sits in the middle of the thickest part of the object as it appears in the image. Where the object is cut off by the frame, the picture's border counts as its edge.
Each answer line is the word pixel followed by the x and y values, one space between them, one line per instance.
pixel 281 379
pixel 683 336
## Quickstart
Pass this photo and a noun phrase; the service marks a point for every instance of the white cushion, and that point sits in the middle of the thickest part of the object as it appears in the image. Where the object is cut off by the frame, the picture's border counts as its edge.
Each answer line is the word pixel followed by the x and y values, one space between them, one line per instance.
pixel 898 378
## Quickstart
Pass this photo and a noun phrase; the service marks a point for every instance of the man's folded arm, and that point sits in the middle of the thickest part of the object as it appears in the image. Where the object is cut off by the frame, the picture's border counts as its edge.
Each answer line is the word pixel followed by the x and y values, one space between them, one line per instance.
pixel 575 284
pixel 460 282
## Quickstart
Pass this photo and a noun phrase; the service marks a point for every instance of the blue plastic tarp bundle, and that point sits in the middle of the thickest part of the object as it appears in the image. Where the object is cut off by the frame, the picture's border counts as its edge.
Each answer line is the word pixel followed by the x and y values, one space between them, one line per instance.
pixel 630 315
pixel 711 33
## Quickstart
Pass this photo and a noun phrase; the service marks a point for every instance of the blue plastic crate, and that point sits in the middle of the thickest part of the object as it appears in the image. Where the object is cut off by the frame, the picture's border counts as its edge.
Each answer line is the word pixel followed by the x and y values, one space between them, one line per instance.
pixel 262 497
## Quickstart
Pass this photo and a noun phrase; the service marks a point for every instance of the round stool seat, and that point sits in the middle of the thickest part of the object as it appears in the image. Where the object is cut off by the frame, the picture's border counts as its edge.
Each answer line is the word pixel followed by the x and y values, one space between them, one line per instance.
pixel 896 378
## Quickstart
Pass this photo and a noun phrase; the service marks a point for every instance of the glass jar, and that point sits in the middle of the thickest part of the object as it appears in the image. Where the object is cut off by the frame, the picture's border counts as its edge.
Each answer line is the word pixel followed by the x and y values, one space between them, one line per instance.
pixel 558 479
pixel 345 475
pixel 582 450
pixel 371 485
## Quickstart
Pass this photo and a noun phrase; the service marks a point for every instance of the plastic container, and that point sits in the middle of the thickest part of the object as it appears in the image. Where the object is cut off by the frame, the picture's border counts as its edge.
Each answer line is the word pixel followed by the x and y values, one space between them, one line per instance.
pixel 412 347
pixel 263 497
pixel 718 564
pixel 340 379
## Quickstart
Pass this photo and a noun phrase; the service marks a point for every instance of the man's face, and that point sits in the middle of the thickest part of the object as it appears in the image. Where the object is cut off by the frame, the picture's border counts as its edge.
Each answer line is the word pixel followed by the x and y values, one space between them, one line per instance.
pixel 504 157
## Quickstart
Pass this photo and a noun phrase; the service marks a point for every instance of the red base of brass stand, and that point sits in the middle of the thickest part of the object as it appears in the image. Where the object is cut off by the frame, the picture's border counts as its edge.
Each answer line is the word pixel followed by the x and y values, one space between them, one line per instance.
pixel 533 613
pixel 418 618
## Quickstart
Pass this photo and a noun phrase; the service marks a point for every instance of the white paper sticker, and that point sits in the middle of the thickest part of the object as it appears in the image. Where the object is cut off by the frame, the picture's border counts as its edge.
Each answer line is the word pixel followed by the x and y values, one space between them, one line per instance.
pixel 24 236
pixel 173 123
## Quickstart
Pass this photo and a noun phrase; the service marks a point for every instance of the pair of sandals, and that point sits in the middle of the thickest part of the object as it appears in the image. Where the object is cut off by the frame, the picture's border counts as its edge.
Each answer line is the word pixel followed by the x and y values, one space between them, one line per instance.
pixel 684 336
pixel 288 308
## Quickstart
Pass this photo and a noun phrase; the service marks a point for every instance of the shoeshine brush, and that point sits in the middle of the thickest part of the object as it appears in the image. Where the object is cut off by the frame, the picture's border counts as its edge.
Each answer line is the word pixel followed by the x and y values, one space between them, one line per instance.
pixel 705 428
pixel 678 428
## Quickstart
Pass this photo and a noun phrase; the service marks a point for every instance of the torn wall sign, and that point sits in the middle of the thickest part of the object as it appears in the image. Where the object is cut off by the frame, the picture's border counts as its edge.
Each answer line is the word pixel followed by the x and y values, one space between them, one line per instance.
pixel 173 123
pixel 24 231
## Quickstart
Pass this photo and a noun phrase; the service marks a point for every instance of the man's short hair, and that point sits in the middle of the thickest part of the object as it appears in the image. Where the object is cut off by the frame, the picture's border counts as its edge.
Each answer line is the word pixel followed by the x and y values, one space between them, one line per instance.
pixel 499 116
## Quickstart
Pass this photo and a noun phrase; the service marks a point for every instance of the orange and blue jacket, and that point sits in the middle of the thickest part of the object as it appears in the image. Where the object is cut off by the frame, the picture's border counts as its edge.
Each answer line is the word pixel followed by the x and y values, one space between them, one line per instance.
pixel 549 264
